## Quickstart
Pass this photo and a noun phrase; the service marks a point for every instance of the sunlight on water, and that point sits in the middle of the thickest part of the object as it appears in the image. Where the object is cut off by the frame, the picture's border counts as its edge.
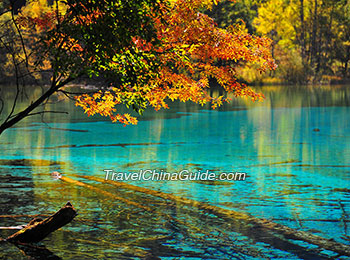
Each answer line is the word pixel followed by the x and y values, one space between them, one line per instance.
pixel 294 148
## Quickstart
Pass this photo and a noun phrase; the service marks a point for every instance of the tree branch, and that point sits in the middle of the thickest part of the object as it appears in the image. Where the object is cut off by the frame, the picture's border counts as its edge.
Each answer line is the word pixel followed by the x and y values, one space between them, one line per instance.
pixel 24 113
pixel 19 33
pixel 2 105
pixel 43 112
pixel 17 87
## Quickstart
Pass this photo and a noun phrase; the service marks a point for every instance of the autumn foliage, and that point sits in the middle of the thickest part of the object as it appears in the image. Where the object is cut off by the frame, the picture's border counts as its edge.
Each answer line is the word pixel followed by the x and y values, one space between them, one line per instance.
pixel 181 52
pixel 192 50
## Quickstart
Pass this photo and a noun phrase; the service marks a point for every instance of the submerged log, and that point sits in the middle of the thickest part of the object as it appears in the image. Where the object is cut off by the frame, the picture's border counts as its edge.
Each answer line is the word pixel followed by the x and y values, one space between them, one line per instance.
pixel 37 229
pixel 192 229
pixel 256 223
pixel 106 193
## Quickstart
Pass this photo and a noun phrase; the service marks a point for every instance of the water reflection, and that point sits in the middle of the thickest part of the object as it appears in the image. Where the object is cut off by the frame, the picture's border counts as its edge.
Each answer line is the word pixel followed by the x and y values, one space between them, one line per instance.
pixel 294 146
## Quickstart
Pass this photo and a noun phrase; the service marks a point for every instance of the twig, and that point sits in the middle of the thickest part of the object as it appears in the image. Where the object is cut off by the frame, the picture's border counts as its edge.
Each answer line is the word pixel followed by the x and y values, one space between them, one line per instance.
pixel 14 227
pixel 47 111
pixel 19 33
pixel 24 216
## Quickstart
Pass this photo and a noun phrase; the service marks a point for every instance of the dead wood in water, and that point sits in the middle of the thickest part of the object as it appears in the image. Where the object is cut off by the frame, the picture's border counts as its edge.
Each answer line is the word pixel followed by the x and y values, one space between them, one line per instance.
pixel 106 193
pixel 37 229
pixel 189 228
pixel 258 224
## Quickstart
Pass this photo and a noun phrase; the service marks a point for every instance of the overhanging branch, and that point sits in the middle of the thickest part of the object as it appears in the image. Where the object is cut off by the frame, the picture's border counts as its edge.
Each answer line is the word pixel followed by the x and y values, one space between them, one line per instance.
pixel 24 113
pixel 44 112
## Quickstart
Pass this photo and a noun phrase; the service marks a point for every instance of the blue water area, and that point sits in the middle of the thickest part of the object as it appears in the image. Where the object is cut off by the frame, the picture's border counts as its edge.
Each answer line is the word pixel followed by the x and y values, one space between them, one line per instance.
pixel 294 149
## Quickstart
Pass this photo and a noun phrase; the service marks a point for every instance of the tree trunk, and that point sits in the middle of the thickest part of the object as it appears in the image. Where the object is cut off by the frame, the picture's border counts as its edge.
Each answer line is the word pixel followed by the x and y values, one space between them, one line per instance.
pixel 302 36
pixel 38 229
pixel 347 62
pixel 314 35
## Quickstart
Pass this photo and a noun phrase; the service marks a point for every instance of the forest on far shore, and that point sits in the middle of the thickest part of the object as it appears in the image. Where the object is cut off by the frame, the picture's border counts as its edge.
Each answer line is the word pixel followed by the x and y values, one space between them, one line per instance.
pixel 311 37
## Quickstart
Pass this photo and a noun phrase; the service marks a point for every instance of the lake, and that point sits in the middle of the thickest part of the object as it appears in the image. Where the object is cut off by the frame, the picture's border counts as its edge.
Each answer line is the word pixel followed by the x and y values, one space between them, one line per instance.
pixel 294 149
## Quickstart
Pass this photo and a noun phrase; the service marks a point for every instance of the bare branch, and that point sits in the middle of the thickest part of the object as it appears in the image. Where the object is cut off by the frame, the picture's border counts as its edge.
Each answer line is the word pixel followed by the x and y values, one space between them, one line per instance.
pixel 76 93
pixel 5 11
pixel 2 105
pixel 24 113
pixel 19 33
pixel 17 87
pixel 48 111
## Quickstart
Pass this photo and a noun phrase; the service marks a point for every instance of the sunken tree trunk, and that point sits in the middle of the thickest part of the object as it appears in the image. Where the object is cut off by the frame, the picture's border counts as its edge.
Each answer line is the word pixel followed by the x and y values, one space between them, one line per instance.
pixel 37 229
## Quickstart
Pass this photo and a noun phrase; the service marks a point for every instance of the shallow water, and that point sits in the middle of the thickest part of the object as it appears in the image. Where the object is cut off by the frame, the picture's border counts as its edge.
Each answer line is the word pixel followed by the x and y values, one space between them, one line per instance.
pixel 294 148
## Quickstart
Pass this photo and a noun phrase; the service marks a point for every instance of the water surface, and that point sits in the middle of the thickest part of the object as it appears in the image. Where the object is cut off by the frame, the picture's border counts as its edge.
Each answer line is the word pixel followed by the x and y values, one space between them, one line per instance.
pixel 294 148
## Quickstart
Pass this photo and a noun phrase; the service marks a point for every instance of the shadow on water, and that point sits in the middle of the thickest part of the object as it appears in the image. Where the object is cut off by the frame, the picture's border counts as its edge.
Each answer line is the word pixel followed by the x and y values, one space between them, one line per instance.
pixel 37 252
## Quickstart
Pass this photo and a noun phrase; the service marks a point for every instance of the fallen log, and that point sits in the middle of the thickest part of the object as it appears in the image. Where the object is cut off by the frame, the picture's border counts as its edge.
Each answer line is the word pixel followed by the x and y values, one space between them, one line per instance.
pixel 79 183
pixel 37 229
pixel 257 223
pixel 193 230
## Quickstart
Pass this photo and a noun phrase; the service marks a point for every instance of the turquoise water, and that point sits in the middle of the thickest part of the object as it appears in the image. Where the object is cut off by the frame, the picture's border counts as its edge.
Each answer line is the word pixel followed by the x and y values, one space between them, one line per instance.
pixel 294 148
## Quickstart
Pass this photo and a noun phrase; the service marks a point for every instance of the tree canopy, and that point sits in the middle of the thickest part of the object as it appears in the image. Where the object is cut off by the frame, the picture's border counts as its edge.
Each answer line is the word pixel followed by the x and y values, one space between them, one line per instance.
pixel 145 53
